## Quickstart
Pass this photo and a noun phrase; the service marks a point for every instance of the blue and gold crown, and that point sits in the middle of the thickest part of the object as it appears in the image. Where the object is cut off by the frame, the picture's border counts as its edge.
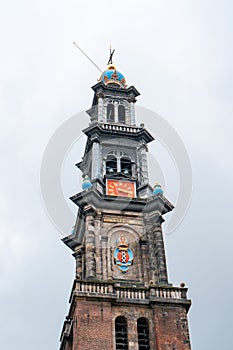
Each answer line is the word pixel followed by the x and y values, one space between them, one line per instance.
pixel 112 76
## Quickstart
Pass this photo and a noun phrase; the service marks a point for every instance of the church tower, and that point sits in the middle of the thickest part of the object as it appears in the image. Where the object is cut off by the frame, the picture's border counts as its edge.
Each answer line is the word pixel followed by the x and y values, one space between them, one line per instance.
pixel 121 297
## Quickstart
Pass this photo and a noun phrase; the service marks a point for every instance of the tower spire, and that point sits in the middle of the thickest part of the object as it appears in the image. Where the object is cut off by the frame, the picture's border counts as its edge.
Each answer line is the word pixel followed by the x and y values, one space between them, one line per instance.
pixel 121 297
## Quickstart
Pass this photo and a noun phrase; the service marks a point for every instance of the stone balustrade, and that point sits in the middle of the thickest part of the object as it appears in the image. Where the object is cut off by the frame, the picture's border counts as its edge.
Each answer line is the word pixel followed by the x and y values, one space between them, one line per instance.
pixel 130 293
pixel 124 292
pixel 171 293
pixel 91 287
pixel 123 128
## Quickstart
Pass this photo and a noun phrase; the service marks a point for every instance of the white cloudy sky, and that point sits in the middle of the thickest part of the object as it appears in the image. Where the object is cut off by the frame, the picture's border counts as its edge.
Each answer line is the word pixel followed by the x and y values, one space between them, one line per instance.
pixel 179 55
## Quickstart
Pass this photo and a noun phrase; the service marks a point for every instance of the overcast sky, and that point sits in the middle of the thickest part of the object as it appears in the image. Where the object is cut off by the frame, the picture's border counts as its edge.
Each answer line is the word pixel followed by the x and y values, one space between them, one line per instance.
pixel 179 55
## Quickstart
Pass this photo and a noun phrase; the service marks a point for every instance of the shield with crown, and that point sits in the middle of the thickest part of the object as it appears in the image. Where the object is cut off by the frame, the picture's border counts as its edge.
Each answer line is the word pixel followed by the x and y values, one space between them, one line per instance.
pixel 123 255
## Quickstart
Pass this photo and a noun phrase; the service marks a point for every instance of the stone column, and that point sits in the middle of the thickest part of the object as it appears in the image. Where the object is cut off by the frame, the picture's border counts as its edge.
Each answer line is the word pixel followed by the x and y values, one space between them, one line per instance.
pixel 98 245
pixel 104 257
pixel 104 166
pixel 134 171
pixel 109 263
pixel 132 120
pixel 90 247
pixel 101 116
pixel 79 261
pixel 118 164
pixel 96 162
pixel 116 112
pixel 144 253
pixel 151 253
pixel 160 252
pixel 143 163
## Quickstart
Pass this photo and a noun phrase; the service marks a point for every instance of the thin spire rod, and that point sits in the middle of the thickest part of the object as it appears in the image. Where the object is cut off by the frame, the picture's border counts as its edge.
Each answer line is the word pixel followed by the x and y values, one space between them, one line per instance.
pixel 111 54
pixel 87 56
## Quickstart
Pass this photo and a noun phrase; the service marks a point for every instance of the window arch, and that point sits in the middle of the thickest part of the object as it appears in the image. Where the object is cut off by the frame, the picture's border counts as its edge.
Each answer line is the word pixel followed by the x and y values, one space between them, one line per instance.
pixel 110 113
pixel 143 334
pixel 111 164
pixel 121 114
pixel 121 333
pixel 126 166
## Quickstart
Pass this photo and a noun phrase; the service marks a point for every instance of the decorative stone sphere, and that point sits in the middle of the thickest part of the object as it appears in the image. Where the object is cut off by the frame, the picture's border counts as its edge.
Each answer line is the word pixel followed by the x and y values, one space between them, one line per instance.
pixel 157 189
pixel 112 76
pixel 86 183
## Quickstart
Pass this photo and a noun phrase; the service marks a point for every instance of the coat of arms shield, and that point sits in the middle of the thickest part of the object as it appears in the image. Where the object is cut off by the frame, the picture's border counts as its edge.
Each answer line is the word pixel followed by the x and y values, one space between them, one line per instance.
pixel 123 255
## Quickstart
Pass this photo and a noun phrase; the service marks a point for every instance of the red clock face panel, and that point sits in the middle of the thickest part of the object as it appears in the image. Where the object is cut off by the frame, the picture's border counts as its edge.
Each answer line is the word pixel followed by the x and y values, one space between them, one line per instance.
pixel 121 188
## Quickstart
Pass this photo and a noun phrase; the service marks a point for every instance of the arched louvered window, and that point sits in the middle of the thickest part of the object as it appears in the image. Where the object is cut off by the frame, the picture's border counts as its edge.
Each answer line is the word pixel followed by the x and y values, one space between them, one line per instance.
pixel 143 334
pixel 111 165
pixel 110 113
pixel 121 114
pixel 126 166
pixel 121 333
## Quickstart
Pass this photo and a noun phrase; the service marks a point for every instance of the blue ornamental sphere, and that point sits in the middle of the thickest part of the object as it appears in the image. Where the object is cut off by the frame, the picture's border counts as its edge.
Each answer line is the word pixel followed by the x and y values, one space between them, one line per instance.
pixel 112 76
pixel 157 189
pixel 86 183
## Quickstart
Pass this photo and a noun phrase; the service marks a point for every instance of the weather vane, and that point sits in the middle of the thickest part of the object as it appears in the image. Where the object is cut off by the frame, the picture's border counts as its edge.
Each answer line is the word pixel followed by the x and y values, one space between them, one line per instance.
pixel 111 54
pixel 109 61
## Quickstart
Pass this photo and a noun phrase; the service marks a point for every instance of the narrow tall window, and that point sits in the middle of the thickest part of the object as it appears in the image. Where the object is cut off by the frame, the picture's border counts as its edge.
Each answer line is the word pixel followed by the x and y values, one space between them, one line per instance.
pixel 126 166
pixel 121 333
pixel 143 334
pixel 121 114
pixel 110 113
pixel 111 165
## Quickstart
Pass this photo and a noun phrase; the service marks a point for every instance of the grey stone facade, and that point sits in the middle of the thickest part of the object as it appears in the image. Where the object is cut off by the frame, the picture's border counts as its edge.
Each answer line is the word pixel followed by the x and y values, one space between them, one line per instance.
pixel 101 219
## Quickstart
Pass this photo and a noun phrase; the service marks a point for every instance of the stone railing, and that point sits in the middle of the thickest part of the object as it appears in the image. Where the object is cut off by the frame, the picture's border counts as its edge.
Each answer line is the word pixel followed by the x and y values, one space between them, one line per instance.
pixel 123 128
pixel 124 292
pixel 169 293
pixel 94 287
pixel 130 293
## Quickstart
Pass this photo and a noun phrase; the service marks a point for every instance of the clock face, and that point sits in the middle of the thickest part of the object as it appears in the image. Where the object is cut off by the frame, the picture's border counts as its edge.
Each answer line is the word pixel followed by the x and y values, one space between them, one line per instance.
pixel 121 188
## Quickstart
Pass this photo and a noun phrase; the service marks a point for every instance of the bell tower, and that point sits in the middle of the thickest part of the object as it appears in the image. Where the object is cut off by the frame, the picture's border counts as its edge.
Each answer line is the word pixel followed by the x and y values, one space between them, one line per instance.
pixel 121 297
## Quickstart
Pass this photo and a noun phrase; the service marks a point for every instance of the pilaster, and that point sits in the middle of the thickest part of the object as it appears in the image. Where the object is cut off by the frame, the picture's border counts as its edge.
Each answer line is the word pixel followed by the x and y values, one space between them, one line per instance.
pixel 96 160
pixel 101 116
pixel 90 247
pixel 160 252
pixel 78 255
pixel 132 110
pixel 104 241
pixel 143 161
pixel 116 111
pixel 153 268
pixel 144 252
pixel 98 220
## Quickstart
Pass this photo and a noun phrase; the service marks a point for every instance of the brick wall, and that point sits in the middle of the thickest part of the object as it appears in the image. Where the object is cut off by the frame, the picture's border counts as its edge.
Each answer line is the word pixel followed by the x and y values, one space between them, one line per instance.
pixel 92 329
pixel 94 324
pixel 171 328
